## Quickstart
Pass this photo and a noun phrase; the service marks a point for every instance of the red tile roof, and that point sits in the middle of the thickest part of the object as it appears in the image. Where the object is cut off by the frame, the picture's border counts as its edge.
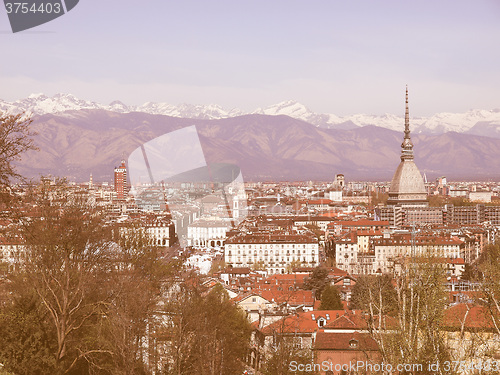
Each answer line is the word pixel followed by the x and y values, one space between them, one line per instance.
pixel 362 223
pixel 319 201
pixel 472 316
pixel 292 298
pixel 345 341
pixel 348 321
pixel 357 320
pixel 336 272
pixel 237 270
pixel 300 323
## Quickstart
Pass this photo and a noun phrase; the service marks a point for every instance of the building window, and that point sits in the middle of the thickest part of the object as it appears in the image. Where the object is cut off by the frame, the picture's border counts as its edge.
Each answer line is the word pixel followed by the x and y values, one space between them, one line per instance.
pixel 297 342
pixel 353 344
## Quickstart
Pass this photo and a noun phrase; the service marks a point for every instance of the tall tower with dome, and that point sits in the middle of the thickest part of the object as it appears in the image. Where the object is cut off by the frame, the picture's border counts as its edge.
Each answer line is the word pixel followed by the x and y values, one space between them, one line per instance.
pixel 407 186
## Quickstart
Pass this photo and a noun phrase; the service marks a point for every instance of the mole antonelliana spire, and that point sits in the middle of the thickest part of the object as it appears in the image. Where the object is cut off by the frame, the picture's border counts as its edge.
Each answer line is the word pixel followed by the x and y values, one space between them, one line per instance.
pixel 407 185
pixel 407 146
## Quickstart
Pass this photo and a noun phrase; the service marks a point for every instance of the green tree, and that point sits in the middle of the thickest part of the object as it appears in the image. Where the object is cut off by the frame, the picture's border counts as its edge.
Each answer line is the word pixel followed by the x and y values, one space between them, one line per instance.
pixel 216 266
pixel 471 273
pixel 207 333
pixel 330 299
pixel 317 281
pixel 26 338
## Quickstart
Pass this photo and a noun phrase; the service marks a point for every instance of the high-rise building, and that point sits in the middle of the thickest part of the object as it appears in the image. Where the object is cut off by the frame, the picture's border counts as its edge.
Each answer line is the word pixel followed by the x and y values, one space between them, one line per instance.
pixel 407 186
pixel 121 188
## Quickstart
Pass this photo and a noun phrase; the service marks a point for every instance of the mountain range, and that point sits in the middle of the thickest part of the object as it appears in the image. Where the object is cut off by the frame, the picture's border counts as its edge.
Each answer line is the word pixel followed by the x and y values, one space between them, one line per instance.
pixel 78 142
pixel 476 122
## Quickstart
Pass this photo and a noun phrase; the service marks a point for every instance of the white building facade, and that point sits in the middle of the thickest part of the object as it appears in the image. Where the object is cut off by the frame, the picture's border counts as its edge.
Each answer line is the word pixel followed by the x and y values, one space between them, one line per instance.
pixel 207 232
pixel 276 253
pixel 389 250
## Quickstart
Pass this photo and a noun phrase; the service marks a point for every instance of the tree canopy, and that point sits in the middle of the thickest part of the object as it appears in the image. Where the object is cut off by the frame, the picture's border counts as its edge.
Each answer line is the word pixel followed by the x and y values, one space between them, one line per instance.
pixel 369 286
pixel 317 281
pixel 330 299
pixel 91 290
pixel 15 139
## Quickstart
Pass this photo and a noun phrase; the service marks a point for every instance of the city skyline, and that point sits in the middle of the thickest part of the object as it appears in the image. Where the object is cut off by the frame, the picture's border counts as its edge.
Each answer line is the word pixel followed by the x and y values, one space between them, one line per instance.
pixel 333 57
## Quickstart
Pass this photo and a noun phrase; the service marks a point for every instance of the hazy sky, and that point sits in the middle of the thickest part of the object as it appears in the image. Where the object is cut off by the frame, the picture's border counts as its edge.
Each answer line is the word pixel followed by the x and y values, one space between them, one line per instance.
pixel 339 57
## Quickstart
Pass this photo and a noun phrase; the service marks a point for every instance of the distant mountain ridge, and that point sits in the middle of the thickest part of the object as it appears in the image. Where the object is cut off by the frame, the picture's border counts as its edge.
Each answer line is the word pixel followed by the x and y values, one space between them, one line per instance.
pixel 477 122
pixel 278 148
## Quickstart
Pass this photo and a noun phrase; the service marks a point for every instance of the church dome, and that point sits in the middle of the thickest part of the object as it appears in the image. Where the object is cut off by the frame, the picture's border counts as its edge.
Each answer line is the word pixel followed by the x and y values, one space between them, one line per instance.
pixel 407 185
pixel 407 179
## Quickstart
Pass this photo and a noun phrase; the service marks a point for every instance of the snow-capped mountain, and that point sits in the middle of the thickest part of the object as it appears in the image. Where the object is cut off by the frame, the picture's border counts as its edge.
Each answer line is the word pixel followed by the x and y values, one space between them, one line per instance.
pixel 479 122
pixel 41 104
pixel 436 124
pixel 299 111
pixel 204 112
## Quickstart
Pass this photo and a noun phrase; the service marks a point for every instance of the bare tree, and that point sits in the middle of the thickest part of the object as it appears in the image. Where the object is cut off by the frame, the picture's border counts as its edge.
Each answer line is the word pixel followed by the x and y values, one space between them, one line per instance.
pixel 412 335
pixel 285 345
pixel 99 285
pixel 205 332
pixel 490 273
pixel 68 261
pixel 15 139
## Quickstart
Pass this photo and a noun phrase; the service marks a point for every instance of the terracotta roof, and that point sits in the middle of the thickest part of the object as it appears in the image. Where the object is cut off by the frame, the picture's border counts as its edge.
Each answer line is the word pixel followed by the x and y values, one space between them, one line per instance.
pixel 345 341
pixel 245 295
pixel 303 269
pixel 292 298
pixel 300 323
pixel 369 232
pixel 337 272
pixel 286 278
pixel 348 321
pixel 312 218
pixel 237 270
pixel 357 320
pixel 475 317
pixel 330 214
pixel 320 201
pixel 362 223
